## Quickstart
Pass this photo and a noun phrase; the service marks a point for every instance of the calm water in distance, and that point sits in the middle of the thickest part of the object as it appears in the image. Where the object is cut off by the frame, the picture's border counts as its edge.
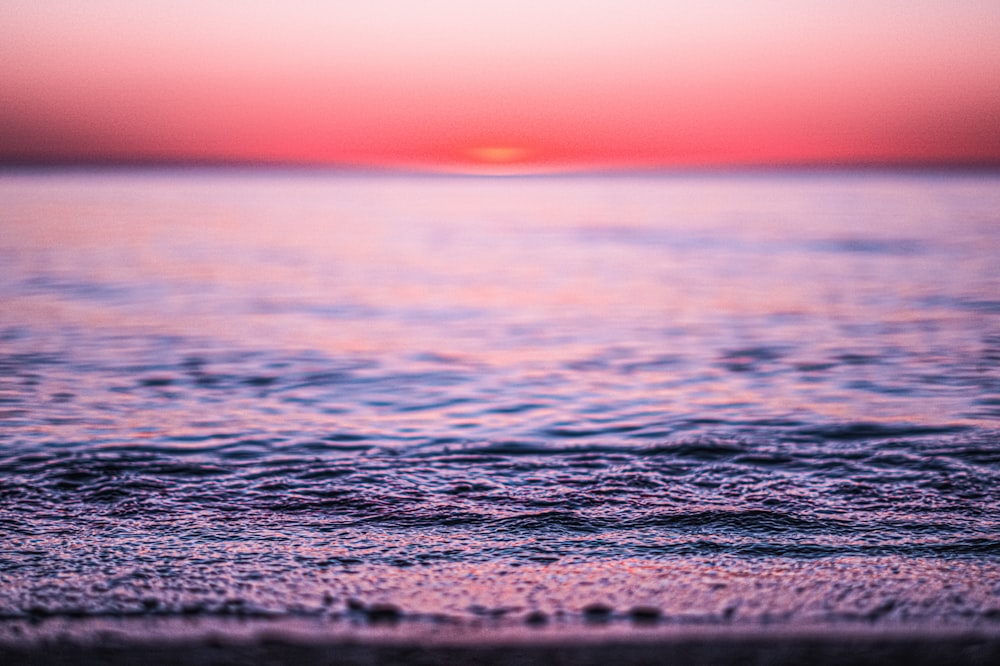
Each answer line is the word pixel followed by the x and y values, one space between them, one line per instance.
pixel 236 390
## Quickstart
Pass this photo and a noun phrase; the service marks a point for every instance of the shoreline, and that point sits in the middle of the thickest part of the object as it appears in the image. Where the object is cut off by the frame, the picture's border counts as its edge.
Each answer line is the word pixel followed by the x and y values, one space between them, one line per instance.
pixel 206 641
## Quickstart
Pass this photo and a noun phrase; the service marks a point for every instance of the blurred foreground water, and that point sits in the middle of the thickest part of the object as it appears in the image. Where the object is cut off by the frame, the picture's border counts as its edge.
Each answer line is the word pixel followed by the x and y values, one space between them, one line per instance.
pixel 693 398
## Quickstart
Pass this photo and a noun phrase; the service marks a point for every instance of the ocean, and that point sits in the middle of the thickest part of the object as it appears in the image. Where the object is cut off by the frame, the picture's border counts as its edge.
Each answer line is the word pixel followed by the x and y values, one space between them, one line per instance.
pixel 687 399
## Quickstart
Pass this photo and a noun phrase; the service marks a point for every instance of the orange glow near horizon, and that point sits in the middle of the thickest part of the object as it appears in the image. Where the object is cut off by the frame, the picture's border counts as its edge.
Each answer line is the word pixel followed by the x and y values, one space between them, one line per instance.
pixel 499 154
pixel 516 86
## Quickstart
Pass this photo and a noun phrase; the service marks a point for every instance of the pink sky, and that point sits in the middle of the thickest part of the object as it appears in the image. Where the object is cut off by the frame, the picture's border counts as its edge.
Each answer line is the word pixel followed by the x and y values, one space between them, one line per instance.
pixel 455 85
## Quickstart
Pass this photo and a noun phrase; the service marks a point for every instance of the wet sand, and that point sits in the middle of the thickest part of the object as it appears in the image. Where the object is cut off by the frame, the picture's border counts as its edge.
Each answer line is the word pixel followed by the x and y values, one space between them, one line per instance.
pixel 201 642
pixel 727 611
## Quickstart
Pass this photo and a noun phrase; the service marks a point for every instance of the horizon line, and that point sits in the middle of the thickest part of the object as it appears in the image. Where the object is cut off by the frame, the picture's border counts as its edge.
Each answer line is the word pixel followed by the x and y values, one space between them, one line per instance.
pixel 156 163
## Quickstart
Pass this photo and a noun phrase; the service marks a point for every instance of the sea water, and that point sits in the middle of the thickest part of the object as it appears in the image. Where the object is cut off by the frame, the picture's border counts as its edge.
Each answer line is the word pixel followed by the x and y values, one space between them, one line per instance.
pixel 714 397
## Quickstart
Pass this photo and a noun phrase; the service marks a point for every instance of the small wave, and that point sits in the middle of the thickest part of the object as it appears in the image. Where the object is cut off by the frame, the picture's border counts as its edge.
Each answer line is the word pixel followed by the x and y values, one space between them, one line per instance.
pixel 749 521
pixel 861 431
pixel 700 450
pixel 860 245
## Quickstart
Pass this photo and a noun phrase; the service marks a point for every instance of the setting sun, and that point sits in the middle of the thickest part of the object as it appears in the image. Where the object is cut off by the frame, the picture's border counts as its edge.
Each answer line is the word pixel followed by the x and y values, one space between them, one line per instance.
pixel 499 154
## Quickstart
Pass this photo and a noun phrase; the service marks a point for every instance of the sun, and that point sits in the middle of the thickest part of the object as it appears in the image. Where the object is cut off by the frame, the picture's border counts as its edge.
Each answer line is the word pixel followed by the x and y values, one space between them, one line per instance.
pixel 497 158
pixel 498 154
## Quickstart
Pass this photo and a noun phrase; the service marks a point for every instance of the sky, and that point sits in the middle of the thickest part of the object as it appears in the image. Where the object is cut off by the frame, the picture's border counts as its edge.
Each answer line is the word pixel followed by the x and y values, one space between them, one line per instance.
pixel 519 85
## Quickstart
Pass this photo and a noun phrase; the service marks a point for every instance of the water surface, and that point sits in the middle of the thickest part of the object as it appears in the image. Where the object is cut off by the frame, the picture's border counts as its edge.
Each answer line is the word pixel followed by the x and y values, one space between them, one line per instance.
pixel 303 393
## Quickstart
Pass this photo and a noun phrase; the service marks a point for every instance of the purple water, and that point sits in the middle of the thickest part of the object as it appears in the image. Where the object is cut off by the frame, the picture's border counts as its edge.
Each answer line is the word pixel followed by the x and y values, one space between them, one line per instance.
pixel 725 398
